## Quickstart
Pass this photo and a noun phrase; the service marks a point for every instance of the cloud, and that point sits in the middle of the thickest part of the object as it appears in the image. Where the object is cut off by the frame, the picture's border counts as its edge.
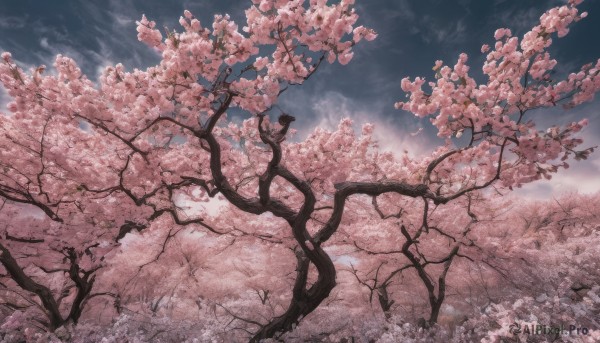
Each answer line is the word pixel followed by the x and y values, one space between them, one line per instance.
pixel 44 43
pixel 441 33
pixel 110 37
pixel 430 29
pixel 85 57
pixel 403 11
pixel 582 177
pixel 13 22
pixel 392 132
pixel 122 20
pixel 518 18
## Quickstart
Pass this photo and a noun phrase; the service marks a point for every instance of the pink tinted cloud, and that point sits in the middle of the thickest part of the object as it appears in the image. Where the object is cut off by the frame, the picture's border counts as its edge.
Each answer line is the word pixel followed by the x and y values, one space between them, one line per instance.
pixel 332 107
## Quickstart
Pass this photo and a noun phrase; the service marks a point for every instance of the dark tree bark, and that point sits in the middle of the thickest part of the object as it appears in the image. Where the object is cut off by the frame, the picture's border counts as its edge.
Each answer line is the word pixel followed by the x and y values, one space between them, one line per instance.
pixel 436 299
pixel 305 299
pixel 50 304
pixel 83 280
pixel 384 300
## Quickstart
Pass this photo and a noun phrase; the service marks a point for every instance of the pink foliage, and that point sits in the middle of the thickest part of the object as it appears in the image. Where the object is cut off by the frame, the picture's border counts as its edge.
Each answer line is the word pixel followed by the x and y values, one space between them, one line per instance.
pixel 125 172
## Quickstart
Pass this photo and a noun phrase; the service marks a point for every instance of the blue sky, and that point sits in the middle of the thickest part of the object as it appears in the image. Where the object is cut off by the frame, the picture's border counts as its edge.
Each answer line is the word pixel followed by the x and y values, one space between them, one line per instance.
pixel 412 35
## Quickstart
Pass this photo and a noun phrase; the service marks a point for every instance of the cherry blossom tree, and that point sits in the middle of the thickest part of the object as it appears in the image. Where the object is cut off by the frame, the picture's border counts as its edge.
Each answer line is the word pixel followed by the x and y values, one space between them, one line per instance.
pixel 432 248
pixel 540 271
pixel 148 140
pixel 49 267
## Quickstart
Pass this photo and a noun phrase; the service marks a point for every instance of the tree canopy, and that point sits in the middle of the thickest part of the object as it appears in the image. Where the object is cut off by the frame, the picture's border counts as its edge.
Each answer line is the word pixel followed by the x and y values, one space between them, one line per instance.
pixel 101 181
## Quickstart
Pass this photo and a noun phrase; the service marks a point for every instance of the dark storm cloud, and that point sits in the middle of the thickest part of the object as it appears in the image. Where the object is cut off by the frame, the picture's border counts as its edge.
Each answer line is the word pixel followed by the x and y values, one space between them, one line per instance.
pixel 412 36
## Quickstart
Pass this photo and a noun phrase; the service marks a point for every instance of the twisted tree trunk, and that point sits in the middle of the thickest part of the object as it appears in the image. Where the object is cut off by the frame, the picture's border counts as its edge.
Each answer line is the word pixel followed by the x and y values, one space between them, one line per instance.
pixel 15 271
pixel 305 298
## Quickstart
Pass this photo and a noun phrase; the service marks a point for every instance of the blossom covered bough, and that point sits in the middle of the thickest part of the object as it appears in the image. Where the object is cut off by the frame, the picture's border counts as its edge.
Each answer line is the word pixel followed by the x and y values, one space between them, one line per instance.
pixel 120 155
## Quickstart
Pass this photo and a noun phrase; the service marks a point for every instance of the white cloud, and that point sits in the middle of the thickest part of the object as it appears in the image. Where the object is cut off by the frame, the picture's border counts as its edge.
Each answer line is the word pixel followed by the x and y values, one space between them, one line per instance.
pixel 44 43
pixel 582 178
pixel 122 20
pixel 332 107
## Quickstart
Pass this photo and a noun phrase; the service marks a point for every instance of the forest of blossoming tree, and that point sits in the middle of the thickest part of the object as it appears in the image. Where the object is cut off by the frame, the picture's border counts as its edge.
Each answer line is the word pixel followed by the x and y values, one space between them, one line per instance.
pixel 326 239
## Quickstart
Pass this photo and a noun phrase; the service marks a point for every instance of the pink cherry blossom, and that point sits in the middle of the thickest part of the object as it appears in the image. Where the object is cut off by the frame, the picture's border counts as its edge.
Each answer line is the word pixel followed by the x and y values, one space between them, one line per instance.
pixel 139 196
